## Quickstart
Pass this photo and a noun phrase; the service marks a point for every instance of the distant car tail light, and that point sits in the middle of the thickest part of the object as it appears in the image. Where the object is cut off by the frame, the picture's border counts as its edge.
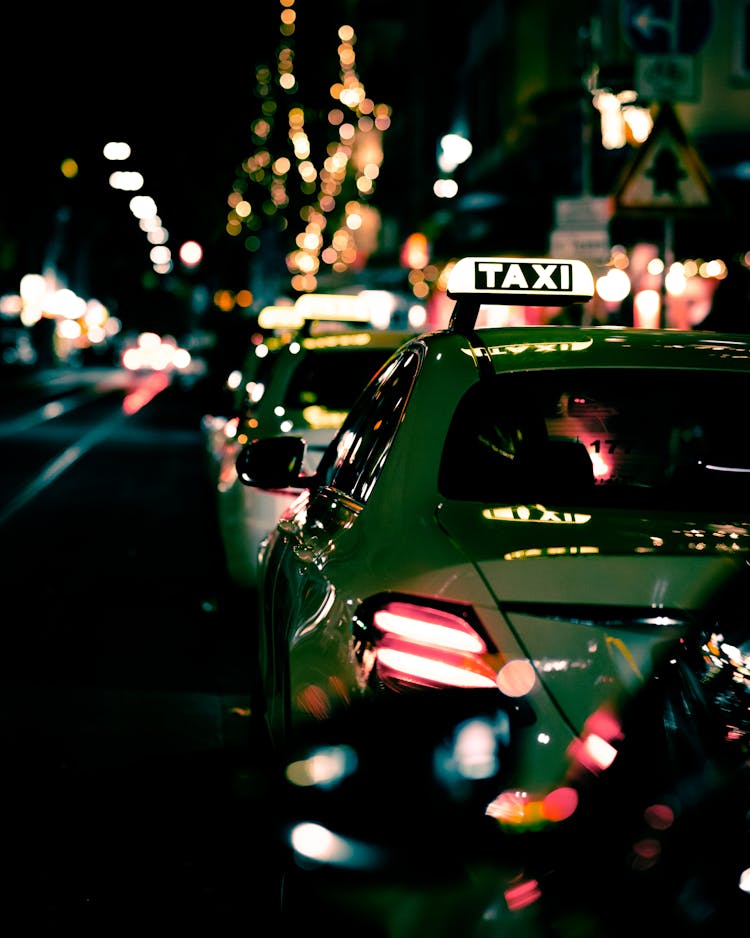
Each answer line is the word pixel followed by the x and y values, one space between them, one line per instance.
pixel 431 647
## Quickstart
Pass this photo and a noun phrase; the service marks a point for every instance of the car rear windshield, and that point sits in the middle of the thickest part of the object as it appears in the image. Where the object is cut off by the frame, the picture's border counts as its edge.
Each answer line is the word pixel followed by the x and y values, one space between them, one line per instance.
pixel 616 437
pixel 333 378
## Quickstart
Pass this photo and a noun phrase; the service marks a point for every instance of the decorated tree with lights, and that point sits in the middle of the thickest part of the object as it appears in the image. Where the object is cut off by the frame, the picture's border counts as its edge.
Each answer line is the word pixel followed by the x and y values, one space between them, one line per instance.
pixel 303 194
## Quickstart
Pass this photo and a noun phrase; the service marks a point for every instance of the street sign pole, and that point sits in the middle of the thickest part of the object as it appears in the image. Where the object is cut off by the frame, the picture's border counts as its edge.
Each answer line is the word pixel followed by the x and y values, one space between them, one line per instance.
pixel 668 255
pixel 666 34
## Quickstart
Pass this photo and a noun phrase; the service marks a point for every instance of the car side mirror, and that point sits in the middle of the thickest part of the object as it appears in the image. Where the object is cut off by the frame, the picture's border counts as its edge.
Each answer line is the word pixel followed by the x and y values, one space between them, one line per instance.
pixel 272 462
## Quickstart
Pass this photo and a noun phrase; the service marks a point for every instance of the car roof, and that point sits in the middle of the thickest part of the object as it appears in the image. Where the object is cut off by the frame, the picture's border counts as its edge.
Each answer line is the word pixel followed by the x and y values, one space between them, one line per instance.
pixel 474 282
pixel 521 347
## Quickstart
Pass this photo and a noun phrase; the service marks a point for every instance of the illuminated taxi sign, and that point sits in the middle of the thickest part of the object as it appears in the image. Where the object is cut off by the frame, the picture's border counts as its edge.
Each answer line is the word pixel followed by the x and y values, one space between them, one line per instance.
pixel 332 307
pixel 337 341
pixel 280 317
pixel 319 418
pixel 516 281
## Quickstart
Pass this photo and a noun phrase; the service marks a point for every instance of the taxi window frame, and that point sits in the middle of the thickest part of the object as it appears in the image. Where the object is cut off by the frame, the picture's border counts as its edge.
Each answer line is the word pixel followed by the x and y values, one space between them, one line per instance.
pixel 322 362
pixel 355 457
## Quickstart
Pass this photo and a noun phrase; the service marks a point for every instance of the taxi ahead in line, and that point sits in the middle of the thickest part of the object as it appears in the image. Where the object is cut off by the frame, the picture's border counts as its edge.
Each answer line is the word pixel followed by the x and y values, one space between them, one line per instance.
pixel 302 379
pixel 526 548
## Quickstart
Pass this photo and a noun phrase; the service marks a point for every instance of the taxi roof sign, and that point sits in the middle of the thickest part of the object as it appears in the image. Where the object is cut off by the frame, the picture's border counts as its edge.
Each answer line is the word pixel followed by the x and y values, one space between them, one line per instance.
pixel 280 317
pixel 332 307
pixel 516 281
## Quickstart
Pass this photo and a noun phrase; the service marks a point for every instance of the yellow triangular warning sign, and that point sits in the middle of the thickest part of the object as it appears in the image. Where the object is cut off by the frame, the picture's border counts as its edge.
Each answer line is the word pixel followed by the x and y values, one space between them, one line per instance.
pixel 667 175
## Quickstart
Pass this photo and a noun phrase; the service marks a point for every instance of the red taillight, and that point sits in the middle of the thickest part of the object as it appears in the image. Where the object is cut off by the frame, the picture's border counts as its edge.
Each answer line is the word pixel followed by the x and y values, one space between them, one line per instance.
pixel 433 647
pixel 428 626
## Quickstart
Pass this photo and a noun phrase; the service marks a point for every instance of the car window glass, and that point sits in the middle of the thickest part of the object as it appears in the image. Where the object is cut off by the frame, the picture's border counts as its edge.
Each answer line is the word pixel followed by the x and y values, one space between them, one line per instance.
pixel 255 378
pixel 657 438
pixel 354 459
pixel 332 378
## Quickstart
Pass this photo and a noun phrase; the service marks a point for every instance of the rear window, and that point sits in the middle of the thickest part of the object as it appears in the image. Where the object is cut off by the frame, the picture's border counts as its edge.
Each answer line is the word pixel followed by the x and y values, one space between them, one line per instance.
pixel 333 378
pixel 606 437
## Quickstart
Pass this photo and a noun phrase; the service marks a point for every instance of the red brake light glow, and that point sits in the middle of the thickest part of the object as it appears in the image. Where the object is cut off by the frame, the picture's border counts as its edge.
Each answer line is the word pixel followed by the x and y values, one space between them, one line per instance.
pixel 428 627
pixel 431 647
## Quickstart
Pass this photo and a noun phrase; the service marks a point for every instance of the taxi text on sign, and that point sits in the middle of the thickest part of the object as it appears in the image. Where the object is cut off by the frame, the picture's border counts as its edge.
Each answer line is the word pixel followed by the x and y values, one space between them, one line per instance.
pixel 667 176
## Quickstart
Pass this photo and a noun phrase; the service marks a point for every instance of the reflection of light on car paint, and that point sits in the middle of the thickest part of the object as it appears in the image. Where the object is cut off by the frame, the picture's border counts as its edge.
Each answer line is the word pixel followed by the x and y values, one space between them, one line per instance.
pixel 516 678
pixel 522 895
pixel 617 643
pixel 320 615
pixel 298 507
pixel 604 724
pixel 324 768
pixel 659 816
pixel 535 513
pixel 598 751
pixel 521 347
pixel 508 807
pixel 532 552
pixel 553 665
pixel 473 751
pixel 520 809
pixel 314 701
pixel 317 843
pixel 645 853
pixel 717 468
pixel 560 804
pixel 594 751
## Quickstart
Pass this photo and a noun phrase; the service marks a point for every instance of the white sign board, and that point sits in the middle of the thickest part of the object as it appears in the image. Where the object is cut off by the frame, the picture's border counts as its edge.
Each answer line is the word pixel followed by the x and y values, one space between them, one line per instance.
pixel 667 77
pixel 593 246
pixel 584 211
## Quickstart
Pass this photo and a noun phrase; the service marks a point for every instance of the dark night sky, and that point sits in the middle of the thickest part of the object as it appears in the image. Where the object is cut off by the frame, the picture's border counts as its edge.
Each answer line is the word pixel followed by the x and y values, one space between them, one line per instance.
pixel 179 89
pixel 181 107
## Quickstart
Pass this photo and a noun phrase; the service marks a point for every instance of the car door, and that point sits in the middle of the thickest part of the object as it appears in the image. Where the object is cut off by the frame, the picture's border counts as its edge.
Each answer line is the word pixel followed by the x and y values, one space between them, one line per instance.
pixel 307 618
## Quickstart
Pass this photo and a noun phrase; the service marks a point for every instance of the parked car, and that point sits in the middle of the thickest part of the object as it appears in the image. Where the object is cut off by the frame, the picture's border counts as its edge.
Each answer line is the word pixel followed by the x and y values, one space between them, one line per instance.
pixel 511 600
pixel 301 383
